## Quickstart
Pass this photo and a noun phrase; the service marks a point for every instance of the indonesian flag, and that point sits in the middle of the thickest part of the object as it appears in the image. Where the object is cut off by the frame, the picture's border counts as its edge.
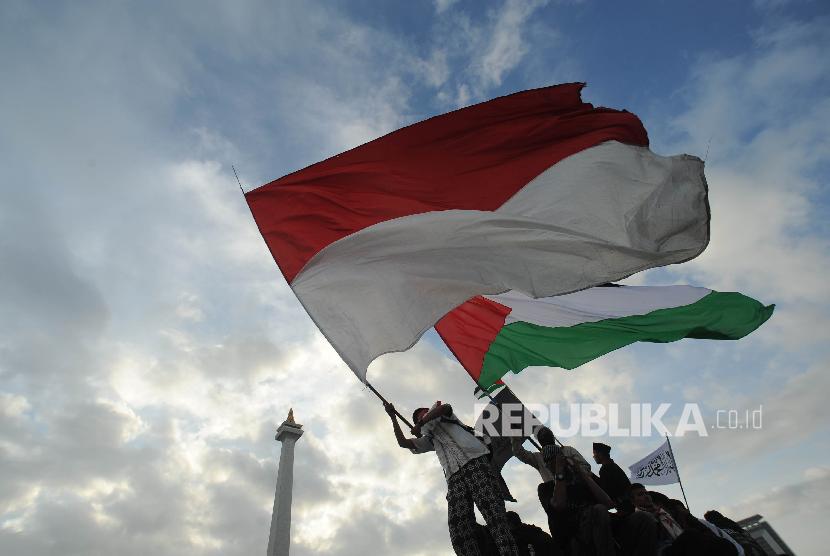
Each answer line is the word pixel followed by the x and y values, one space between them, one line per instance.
pixel 537 192
pixel 493 335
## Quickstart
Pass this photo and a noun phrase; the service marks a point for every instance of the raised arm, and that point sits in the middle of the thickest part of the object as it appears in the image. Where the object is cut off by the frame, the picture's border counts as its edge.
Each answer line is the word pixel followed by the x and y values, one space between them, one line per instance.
pixel 403 442
pixel 559 500
pixel 440 410
pixel 599 494
pixel 518 450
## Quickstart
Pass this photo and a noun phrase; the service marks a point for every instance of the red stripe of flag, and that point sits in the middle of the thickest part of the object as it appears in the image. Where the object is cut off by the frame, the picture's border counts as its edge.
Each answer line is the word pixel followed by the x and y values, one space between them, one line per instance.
pixel 474 158
pixel 468 331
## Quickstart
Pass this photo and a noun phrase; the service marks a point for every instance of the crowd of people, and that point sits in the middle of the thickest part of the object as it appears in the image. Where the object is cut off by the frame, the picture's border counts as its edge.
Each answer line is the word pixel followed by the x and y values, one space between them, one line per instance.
pixel 588 514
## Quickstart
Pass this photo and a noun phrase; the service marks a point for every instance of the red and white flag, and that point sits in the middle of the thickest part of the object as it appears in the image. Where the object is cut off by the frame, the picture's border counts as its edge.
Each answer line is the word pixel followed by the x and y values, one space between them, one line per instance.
pixel 537 192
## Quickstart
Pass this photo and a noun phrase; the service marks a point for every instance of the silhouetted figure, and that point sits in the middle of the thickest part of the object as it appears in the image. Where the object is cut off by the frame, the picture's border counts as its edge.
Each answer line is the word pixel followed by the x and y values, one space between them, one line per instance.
pixel 531 538
pixel 668 529
pixel 543 463
pixel 486 544
pixel 612 478
pixel 680 533
pixel 635 532
pixel 750 545
pixel 580 518
pixel 470 477
pixel 690 522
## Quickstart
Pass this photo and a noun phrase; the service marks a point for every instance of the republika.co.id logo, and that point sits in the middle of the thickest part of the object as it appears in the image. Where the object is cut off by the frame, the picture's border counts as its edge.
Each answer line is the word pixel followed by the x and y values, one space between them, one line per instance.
pixel 593 419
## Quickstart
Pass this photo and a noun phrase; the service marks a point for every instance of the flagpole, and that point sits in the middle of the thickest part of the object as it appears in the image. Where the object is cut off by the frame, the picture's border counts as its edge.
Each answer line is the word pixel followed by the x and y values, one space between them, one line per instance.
pixel 376 393
pixel 532 441
pixel 677 470
pixel 237 180
pixel 492 399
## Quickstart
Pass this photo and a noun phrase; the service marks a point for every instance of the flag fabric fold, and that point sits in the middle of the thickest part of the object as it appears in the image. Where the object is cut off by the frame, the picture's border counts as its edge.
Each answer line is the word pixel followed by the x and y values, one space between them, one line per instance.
pixel 494 335
pixel 537 192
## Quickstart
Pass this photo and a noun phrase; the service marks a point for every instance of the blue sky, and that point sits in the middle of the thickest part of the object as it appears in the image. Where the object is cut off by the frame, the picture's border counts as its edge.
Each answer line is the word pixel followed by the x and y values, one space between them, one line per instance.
pixel 149 345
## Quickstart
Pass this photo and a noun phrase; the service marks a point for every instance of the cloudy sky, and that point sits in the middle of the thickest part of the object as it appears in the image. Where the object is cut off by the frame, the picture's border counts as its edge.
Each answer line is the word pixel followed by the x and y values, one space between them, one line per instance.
pixel 149 345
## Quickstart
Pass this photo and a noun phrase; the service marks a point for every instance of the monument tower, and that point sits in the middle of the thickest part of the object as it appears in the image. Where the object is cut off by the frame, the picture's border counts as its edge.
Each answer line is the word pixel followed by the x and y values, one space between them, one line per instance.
pixel 279 539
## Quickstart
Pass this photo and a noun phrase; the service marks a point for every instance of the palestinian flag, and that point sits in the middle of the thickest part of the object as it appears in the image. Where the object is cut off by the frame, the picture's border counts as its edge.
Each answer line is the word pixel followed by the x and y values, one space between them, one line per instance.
pixel 536 191
pixel 494 335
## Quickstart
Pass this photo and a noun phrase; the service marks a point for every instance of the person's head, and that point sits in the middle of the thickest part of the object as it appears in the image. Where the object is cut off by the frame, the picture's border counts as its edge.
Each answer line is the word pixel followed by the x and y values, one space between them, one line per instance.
pixel 660 499
pixel 418 414
pixel 678 508
pixel 640 497
pixel 713 514
pixel 513 519
pixel 602 453
pixel 717 518
pixel 681 514
pixel 677 505
pixel 545 436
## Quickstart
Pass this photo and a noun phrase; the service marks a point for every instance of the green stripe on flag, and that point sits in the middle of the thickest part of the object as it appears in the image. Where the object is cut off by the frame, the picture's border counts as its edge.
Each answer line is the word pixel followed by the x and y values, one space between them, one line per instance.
pixel 717 316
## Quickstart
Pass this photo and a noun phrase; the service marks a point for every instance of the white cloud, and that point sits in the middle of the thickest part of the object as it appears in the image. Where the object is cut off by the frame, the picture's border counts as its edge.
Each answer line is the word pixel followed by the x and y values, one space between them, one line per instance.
pixel 13 406
pixel 506 47
pixel 443 5
pixel 149 345
pixel 485 48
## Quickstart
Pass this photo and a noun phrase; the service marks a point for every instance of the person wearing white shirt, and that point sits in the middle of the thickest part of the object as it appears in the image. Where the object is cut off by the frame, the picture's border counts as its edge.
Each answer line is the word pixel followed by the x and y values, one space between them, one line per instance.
pixel 470 477
pixel 723 534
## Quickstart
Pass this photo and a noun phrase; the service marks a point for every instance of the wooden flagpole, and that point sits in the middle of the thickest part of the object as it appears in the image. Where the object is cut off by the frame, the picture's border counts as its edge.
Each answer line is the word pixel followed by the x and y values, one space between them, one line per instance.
pixel 677 470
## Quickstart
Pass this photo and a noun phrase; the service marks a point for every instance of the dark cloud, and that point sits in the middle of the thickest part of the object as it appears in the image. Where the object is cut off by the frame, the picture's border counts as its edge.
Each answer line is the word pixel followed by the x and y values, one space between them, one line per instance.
pixel 60 524
pixel 53 315
pixel 313 473
pixel 238 517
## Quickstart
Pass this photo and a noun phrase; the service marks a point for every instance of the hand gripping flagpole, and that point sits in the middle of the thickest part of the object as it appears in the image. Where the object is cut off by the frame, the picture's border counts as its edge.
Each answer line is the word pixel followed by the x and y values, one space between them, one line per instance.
pixel 376 393
pixel 677 470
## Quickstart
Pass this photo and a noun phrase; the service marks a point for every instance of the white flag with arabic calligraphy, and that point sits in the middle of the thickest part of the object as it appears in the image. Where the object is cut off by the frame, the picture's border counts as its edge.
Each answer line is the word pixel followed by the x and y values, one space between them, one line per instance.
pixel 657 468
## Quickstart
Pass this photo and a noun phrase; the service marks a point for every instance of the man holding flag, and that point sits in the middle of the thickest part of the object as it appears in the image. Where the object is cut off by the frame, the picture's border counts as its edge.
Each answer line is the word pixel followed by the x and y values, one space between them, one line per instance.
pixel 470 478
